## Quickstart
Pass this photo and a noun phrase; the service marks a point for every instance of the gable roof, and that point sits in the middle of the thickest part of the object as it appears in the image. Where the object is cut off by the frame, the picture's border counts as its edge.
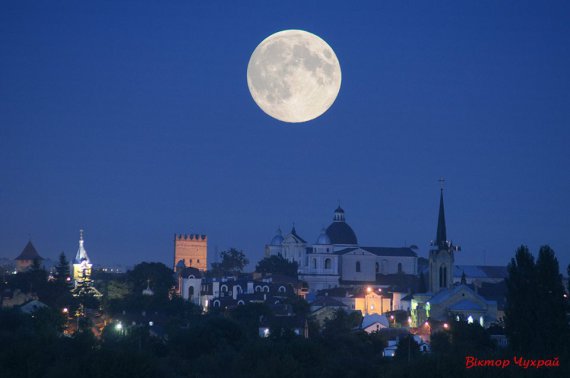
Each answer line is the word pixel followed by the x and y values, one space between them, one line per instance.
pixel 481 271
pixel 326 301
pixel 445 294
pixel 399 282
pixel 382 251
pixel 371 319
pixel 29 253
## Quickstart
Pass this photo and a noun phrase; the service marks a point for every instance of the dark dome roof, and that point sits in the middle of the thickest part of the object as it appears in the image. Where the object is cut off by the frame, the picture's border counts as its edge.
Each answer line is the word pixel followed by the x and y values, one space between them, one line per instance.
pixel 341 233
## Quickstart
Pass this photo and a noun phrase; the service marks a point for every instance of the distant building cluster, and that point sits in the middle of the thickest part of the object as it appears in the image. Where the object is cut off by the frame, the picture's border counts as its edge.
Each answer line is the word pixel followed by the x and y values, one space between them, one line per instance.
pixel 388 285
pixel 341 273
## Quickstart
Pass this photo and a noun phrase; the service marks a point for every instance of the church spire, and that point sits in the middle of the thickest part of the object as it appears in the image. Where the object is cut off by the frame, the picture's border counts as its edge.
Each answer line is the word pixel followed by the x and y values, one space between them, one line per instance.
pixel 81 252
pixel 441 236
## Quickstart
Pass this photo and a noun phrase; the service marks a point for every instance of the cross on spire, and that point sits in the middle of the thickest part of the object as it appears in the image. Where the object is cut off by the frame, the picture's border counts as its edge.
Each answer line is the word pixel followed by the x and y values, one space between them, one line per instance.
pixel 441 182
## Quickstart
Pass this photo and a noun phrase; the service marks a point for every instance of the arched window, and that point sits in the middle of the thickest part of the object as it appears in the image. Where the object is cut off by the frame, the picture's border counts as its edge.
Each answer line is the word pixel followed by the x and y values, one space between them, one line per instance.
pixel 377 268
pixel 190 292
pixel 216 303
pixel 282 289
pixel 328 263
pixel 240 303
pixel 258 289
pixel 443 276
pixel 399 267
pixel 266 289
pixel 314 263
pixel 224 288
pixel 238 289
pixel 358 266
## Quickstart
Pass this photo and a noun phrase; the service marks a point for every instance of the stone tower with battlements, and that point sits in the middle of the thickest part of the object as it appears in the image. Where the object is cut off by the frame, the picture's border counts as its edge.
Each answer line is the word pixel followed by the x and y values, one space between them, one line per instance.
pixel 191 250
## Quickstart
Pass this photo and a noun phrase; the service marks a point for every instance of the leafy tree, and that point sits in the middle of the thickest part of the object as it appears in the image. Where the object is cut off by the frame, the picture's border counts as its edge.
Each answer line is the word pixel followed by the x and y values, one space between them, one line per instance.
pixel 522 301
pixel 233 262
pixel 341 323
pixel 159 276
pixel 441 342
pixel 551 312
pixel 535 316
pixel 469 338
pixel 62 271
pixel 277 264
pixel 408 348
pixel 248 316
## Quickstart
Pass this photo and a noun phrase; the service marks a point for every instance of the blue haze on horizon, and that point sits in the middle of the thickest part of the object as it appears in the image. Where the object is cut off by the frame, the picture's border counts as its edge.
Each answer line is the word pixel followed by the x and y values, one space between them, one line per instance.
pixel 133 120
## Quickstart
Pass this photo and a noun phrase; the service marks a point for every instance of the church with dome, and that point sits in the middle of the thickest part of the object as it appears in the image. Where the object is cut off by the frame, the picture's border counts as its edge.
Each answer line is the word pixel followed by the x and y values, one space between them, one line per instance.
pixel 336 257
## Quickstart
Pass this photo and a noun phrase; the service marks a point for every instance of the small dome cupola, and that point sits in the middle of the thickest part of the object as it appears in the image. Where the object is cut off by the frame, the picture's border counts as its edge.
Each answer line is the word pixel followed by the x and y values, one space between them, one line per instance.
pixel 278 238
pixel 323 238
pixel 338 215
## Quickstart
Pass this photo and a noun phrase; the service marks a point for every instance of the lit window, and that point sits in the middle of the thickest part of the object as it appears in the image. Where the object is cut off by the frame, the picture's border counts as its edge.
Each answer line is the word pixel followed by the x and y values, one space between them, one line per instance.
pixel 470 319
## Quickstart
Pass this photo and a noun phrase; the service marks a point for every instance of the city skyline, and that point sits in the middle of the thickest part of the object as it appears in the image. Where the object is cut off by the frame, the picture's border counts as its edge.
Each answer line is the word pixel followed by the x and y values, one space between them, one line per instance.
pixel 134 122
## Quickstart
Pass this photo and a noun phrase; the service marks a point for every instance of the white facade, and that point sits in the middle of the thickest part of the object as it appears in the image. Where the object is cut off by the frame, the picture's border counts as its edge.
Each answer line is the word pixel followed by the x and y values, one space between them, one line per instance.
pixel 336 256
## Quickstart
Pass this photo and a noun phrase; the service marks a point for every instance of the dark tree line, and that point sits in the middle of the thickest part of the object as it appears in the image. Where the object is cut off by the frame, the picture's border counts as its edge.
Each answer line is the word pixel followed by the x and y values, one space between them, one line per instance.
pixel 535 314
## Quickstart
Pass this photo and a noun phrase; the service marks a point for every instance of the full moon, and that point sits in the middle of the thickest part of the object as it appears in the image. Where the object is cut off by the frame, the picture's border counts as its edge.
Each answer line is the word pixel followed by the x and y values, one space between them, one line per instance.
pixel 293 76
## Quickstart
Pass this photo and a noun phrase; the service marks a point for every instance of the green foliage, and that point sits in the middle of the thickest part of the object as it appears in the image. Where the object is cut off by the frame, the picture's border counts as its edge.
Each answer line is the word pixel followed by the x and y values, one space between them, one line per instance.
pixel 116 289
pixel 441 342
pixel 408 349
pixel 342 323
pixel 277 264
pixel 470 338
pixel 551 312
pixel 535 311
pixel 159 276
pixel 522 301
pixel 62 270
pixel 233 261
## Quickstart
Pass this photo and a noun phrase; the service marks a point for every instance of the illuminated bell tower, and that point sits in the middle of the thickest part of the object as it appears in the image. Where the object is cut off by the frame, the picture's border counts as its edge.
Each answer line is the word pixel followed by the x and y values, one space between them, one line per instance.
pixel 441 256
pixel 81 265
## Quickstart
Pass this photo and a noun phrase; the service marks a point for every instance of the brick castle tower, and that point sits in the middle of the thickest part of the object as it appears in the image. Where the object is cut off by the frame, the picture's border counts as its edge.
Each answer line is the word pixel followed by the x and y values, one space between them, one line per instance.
pixel 192 250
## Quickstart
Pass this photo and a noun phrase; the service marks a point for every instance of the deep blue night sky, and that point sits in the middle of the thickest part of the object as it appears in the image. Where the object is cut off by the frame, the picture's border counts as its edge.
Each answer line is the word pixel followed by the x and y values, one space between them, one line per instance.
pixel 133 120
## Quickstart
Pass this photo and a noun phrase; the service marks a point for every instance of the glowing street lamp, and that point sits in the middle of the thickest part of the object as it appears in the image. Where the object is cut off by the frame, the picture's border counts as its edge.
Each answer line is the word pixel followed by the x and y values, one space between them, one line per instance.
pixel 445 325
pixel 369 289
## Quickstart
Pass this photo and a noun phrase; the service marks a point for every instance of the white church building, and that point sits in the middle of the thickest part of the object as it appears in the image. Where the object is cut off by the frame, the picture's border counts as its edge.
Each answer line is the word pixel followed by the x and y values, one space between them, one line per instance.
pixel 336 257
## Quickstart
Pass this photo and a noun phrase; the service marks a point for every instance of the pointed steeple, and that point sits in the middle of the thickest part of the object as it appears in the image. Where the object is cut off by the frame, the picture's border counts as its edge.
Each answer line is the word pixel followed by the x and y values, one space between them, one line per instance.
pixel 441 236
pixel 81 252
